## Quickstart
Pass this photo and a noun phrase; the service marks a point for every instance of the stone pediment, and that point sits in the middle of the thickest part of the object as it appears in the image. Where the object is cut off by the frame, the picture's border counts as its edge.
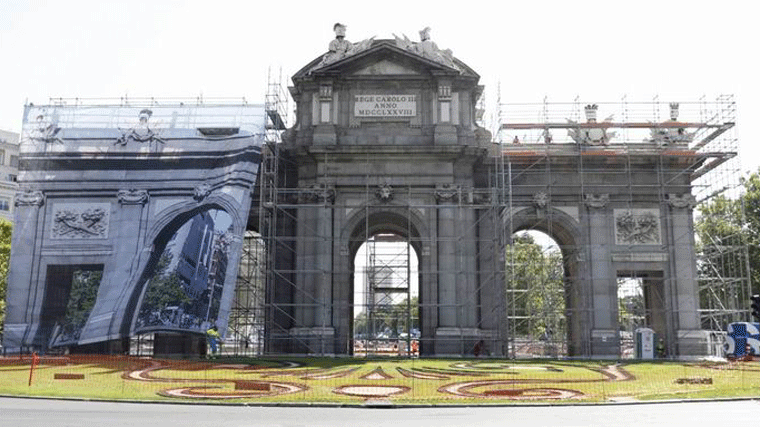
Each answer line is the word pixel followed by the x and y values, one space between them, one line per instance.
pixel 385 67
pixel 384 57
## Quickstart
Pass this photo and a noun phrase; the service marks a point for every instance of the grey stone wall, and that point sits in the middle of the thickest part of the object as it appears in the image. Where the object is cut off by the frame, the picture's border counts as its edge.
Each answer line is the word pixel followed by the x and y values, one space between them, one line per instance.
pixel 99 197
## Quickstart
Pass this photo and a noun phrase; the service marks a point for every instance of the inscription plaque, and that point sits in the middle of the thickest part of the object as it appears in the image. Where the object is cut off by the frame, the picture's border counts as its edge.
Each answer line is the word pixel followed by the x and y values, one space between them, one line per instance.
pixel 385 105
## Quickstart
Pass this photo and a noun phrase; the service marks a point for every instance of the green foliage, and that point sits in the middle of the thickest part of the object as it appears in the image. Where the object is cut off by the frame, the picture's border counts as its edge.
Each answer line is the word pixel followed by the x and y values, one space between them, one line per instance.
pixel 535 289
pixel 164 288
pixel 724 228
pixel 6 229
pixel 84 291
pixel 392 316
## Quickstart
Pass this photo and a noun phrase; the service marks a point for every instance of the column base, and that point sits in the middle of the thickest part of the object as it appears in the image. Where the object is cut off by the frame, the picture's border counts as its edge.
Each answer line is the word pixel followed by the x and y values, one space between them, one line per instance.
pixel 605 344
pixel 452 341
pixel 692 343
pixel 316 340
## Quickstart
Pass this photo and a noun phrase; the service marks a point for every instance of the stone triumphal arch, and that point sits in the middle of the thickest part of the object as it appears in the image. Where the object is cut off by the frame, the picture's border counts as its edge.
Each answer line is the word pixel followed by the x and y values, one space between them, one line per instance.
pixel 136 220
pixel 387 140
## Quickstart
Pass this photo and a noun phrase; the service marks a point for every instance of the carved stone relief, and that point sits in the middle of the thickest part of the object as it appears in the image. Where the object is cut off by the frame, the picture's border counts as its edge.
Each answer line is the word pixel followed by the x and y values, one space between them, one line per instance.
pixel 201 192
pixel 81 220
pixel 447 193
pixel 637 226
pixel 133 197
pixel 384 193
pixel 682 201
pixel 29 198
pixel 318 193
pixel 141 132
pixel 597 201
pixel 540 200
pixel 591 134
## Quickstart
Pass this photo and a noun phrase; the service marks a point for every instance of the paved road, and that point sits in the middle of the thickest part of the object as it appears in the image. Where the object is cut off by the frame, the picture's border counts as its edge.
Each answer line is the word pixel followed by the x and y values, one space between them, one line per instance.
pixel 55 413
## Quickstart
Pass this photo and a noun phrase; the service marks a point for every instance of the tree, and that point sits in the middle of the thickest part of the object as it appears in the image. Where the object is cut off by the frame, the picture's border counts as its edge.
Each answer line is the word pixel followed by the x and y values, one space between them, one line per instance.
pixel 164 289
pixel 6 229
pixel 728 238
pixel 535 289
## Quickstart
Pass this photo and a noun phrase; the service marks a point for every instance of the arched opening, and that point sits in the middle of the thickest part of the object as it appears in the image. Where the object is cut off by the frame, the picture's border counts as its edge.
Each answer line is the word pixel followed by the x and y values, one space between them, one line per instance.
pixel 641 314
pixel 386 297
pixel 246 327
pixel 183 282
pixel 385 273
pixel 537 291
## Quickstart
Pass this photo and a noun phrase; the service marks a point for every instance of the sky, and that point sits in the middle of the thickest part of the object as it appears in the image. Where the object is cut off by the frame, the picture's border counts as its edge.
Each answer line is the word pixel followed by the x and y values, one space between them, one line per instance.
pixel 598 50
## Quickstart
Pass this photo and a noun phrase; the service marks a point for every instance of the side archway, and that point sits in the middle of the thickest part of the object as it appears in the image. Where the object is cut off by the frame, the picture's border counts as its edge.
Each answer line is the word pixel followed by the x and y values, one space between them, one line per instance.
pixel 565 231
pixel 213 280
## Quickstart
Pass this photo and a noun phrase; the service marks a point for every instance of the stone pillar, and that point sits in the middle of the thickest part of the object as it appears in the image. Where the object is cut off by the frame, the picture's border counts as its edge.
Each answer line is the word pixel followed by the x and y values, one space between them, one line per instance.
pixel 313 331
pixel 448 332
pixel 467 288
pixel 490 286
pixel 690 339
pixel 24 281
pixel 133 207
pixel 445 131
pixel 323 277
pixel 303 298
pixel 324 113
pixel 603 280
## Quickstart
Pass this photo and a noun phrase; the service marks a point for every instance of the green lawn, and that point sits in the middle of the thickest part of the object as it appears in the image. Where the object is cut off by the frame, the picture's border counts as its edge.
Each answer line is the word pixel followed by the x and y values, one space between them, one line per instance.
pixel 353 381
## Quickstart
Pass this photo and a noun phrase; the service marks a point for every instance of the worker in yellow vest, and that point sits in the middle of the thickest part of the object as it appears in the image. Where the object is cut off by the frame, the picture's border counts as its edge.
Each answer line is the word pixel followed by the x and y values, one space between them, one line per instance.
pixel 213 337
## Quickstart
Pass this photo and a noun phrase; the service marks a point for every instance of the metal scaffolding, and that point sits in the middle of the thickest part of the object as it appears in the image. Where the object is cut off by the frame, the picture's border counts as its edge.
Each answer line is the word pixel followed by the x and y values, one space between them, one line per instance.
pixel 695 153
pixel 531 135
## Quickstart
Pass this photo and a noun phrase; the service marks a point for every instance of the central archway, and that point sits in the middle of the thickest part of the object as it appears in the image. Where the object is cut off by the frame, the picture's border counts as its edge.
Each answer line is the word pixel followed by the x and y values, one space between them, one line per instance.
pixel 386 303
pixel 397 227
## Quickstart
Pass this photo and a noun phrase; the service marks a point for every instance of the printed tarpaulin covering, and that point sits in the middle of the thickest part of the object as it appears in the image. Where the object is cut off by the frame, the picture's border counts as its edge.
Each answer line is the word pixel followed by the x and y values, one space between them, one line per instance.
pixel 130 219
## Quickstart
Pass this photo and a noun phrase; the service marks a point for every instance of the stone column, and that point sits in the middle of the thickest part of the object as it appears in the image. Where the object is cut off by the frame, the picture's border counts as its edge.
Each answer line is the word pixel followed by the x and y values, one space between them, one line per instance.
pixel 325 115
pixel 107 314
pixel 313 331
pixel 448 332
pixel 323 276
pixel 445 132
pixel 690 339
pixel 603 280
pixel 466 244
pixel 23 275
pixel 490 278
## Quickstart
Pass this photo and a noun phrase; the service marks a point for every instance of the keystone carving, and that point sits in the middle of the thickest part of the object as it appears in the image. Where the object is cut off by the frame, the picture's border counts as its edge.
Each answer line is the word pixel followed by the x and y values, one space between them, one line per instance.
pixel 201 192
pixel 540 200
pixel 384 193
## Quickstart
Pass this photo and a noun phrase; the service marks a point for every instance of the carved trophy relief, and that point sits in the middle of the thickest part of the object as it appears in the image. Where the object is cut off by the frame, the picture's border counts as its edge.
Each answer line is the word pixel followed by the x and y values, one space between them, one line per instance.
pixel 637 226
pixel 81 220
